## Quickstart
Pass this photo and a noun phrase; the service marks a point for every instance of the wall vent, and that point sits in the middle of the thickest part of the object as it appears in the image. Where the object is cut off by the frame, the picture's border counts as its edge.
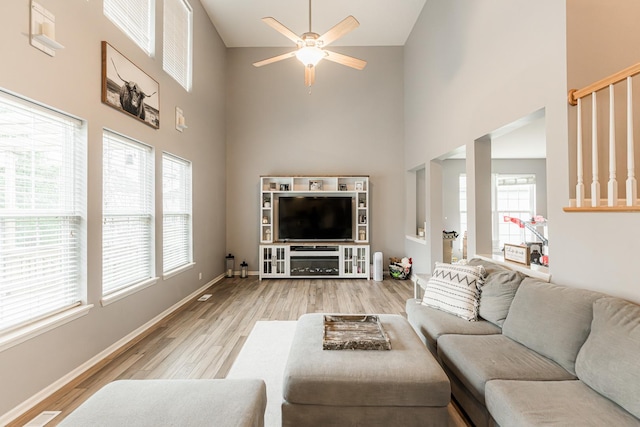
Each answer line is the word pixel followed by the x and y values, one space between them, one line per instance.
pixel 204 297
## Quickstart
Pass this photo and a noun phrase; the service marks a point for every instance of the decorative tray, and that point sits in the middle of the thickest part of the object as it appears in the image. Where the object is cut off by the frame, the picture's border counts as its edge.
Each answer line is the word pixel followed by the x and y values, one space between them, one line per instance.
pixel 354 332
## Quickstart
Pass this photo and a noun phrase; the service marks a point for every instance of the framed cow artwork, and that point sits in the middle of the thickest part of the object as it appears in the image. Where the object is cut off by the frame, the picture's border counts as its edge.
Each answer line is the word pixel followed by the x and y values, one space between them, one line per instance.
pixel 127 88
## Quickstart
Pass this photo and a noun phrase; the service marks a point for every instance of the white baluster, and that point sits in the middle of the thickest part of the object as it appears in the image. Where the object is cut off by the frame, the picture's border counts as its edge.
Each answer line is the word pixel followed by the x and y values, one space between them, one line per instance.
pixel 613 184
pixel 595 184
pixel 632 185
pixel 580 184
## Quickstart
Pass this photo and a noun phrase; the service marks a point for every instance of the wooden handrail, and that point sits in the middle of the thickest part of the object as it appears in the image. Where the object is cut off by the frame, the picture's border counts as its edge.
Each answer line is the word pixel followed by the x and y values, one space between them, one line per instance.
pixel 575 94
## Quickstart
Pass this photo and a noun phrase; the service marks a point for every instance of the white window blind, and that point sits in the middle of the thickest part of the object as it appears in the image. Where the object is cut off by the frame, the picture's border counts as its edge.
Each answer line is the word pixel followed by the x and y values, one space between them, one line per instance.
pixel 135 18
pixel 42 191
pixel 127 209
pixel 176 202
pixel 177 41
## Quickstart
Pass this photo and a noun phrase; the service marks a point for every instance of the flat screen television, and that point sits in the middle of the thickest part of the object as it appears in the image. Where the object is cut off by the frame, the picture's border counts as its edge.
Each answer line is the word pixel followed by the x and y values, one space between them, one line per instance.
pixel 315 218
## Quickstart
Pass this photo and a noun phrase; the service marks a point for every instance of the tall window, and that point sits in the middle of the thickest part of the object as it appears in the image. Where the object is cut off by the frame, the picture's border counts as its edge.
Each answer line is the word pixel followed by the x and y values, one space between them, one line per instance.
pixel 177 41
pixel 127 209
pixel 42 193
pixel 515 198
pixel 176 202
pixel 135 18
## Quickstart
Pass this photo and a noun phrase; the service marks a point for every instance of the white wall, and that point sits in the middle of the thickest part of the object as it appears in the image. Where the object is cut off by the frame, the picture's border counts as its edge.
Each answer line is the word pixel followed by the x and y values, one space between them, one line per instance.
pixel 71 82
pixel 602 38
pixel 472 67
pixel 351 123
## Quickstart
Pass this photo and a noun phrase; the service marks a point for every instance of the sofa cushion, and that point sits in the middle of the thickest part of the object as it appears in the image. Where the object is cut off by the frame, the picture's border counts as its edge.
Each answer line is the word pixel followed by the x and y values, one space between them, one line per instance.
pixel 608 360
pixel 476 359
pixel 455 289
pixel 489 267
pixel 558 403
pixel 431 323
pixel 550 319
pixel 152 403
pixel 497 294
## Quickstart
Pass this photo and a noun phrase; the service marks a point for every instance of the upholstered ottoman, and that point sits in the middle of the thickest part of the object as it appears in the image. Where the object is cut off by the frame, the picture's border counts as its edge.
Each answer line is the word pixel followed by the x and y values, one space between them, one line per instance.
pixel 404 386
pixel 154 403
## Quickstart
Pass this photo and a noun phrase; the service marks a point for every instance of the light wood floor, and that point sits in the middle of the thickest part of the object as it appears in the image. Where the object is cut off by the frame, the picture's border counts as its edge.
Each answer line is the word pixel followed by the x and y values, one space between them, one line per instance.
pixel 204 338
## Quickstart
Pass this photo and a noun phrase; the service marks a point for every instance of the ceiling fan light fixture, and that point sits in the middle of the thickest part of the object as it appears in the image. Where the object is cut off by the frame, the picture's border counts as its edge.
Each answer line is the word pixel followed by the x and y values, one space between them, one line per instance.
pixel 310 55
pixel 310 46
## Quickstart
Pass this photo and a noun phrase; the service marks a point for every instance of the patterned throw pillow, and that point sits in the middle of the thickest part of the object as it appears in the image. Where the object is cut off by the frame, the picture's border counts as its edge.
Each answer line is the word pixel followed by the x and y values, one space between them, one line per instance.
pixel 455 289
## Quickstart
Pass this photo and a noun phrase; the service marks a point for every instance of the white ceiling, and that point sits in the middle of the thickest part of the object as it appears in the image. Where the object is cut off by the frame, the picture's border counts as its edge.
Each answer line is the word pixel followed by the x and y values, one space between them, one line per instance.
pixel 382 22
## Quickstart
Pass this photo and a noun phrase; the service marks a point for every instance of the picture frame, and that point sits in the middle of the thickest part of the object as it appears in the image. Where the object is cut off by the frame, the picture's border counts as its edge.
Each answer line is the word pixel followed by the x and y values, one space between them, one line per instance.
pixel 315 185
pixel 284 187
pixel 359 185
pixel 128 89
pixel 342 187
pixel 273 186
pixel 517 253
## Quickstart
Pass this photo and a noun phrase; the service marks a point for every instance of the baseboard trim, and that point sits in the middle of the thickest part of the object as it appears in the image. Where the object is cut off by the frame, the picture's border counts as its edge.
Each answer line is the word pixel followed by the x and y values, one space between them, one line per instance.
pixel 32 406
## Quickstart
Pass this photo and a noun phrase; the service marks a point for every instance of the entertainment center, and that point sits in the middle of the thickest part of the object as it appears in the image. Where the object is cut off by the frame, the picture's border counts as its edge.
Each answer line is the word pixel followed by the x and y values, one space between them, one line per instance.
pixel 314 226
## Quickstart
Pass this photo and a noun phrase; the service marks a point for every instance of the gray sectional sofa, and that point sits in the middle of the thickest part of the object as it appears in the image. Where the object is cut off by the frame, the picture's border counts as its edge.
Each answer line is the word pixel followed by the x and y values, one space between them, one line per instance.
pixel 539 354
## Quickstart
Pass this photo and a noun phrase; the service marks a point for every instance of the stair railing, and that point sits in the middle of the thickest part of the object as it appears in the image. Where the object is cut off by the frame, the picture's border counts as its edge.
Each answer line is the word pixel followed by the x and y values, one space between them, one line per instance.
pixel 576 96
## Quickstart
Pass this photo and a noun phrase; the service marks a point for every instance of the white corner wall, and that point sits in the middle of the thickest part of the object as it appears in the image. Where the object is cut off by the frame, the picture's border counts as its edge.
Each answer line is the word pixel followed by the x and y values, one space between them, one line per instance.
pixel 71 81
pixel 473 67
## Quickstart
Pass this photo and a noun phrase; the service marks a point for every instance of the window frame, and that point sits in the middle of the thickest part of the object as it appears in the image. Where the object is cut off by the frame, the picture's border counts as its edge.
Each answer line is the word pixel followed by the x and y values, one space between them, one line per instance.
pixel 62 144
pixel 173 40
pixel 118 12
pixel 529 181
pixel 114 213
pixel 185 211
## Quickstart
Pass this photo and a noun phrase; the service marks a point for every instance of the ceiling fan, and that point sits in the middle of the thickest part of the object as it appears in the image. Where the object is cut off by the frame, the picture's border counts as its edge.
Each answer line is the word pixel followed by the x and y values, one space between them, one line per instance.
pixel 311 46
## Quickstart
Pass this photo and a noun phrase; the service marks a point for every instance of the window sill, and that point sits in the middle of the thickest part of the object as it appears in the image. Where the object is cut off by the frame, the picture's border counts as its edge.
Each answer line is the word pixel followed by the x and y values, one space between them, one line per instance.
pixel 178 270
pixel 25 333
pixel 535 271
pixel 417 239
pixel 123 293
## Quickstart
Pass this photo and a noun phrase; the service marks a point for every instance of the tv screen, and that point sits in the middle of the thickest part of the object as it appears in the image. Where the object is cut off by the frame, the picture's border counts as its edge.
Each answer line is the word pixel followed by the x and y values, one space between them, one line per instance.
pixel 315 218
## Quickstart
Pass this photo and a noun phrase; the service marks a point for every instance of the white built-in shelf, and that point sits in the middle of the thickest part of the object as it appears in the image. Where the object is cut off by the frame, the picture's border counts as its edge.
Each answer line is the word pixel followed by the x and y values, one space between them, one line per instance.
pixel 272 187
pixel 280 259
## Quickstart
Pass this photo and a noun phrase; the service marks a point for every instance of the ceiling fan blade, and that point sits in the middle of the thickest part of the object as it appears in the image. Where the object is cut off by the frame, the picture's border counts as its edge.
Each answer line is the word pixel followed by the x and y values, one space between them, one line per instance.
pixel 309 76
pixel 349 61
pixel 345 26
pixel 274 59
pixel 273 23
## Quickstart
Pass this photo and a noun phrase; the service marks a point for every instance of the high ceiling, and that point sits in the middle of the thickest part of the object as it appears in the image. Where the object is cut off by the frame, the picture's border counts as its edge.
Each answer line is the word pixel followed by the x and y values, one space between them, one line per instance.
pixel 382 22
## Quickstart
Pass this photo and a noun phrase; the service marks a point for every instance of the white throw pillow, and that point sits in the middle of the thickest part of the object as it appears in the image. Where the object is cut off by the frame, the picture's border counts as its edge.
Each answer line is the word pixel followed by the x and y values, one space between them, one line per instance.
pixel 455 289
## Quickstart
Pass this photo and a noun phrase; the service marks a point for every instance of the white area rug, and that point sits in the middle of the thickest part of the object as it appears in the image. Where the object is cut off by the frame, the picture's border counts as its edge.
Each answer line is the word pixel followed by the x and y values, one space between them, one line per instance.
pixel 264 355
